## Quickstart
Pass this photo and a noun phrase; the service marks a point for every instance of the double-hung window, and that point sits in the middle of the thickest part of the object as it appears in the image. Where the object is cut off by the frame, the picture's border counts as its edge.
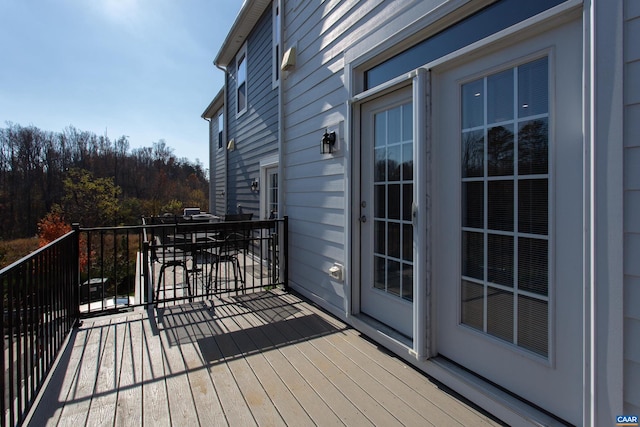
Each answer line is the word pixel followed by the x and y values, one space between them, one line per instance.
pixel 220 130
pixel 241 81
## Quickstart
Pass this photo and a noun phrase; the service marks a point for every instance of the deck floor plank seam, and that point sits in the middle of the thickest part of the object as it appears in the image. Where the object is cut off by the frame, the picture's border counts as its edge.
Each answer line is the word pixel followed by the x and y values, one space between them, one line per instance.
pixel 129 399
pixel 412 397
pixel 300 387
pixel 102 409
pixel 253 393
pixel 359 374
pixel 155 407
pixel 271 379
pixel 208 407
pixel 53 399
pixel 182 409
pixel 416 381
pixel 264 358
pixel 333 396
pixel 357 396
pixel 235 408
pixel 76 409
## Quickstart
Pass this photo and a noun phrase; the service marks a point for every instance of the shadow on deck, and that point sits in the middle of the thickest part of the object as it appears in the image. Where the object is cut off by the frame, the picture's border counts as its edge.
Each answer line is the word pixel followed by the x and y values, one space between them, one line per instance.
pixel 267 358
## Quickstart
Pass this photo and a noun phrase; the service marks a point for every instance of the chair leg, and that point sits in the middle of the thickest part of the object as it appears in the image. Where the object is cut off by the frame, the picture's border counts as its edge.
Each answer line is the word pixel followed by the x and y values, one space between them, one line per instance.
pixel 186 273
pixel 237 265
pixel 215 278
pixel 173 264
pixel 160 277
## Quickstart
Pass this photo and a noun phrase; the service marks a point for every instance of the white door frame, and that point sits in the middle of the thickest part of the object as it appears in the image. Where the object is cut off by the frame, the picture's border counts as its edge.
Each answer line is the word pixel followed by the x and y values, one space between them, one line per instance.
pixel 266 163
pixel 418 79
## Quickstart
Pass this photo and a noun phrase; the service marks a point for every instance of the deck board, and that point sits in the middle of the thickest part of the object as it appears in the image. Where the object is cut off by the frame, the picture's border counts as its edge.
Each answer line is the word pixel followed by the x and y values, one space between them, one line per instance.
pixel 258 359
pixel 209 409
pixel 78 400
pixel 272 373
pixel 129 399
pixel 155 411
pixel 181 405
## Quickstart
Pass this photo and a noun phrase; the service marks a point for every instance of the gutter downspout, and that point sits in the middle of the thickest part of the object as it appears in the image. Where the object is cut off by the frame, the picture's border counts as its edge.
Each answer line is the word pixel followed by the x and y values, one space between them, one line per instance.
pixel 284 263
pixel 212 191
pixel 224 133
pixel 281 126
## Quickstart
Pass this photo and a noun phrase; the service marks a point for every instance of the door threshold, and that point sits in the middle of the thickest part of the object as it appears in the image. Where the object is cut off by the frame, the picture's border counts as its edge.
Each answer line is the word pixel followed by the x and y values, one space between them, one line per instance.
pixel 374 328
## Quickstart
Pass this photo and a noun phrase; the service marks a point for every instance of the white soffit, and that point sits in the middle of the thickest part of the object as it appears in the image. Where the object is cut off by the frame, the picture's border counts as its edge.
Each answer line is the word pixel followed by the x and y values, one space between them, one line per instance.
pixel 247 18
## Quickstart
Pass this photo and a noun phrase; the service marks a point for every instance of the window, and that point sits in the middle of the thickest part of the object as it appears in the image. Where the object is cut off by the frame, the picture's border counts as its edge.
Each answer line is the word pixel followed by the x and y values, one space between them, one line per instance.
pixel 221 130
pixel 272 193
pixel 269 187
pixel 392 201
pixel 493 18
pixel 241 81
pixel 276 42
pixel 505 205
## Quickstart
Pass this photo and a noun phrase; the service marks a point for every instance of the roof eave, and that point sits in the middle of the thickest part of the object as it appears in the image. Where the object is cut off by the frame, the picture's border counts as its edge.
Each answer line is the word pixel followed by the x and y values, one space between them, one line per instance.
pixel 214 106
pixel 249 14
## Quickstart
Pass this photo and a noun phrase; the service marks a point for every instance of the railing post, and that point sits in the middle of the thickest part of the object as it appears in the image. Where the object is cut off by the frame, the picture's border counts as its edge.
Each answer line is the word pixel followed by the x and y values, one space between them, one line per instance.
pixel 75 274
pixel 285 252
pixel 145 292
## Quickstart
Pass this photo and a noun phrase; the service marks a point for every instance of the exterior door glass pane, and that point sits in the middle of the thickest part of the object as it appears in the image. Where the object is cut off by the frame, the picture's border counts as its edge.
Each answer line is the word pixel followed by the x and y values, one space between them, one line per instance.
pixel 505 205
pixel 272 193
pixel 393 197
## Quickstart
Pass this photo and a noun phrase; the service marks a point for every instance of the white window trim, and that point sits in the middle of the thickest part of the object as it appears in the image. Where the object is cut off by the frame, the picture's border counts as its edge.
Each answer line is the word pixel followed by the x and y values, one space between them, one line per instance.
pixel 218 136
pixel 242 53
pixel 276 43
pixel 266 163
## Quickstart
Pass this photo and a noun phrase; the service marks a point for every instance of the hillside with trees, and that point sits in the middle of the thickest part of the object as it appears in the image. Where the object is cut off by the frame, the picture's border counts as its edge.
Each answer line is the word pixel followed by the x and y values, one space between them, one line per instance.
pixel 90 179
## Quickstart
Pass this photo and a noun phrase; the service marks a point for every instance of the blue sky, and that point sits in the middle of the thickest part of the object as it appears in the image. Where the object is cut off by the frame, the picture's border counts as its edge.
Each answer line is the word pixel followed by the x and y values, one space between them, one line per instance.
pixel 140 68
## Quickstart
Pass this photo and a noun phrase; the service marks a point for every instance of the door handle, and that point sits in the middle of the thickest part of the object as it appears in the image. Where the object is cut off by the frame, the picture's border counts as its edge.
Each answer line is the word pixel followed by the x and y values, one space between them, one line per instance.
pixel 414 214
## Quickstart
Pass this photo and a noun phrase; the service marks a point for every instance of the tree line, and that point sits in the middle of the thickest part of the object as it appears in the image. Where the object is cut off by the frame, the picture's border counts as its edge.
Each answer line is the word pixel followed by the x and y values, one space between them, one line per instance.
pixel 88 178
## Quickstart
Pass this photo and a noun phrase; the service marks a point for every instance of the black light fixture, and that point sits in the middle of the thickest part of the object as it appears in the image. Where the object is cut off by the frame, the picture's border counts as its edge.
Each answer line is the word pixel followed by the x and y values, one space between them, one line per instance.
pixel 328 141
pixel 255 185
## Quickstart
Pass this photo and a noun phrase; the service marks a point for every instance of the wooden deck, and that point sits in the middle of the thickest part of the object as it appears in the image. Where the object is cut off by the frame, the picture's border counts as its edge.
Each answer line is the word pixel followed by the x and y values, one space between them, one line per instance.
pixel 264 359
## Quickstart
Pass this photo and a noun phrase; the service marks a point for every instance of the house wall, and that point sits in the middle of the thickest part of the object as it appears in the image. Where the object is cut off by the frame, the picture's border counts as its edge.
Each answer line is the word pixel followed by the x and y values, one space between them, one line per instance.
pixel 219 163
pixel 317 186
pixel 255 132
pixel 314 99
pixel 632 207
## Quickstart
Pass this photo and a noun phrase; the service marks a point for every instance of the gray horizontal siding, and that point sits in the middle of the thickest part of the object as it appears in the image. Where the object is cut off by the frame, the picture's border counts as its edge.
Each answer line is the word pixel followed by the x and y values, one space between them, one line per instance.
pixel 315 98
pixel 255 132
pixel 220 170
pixel 631 208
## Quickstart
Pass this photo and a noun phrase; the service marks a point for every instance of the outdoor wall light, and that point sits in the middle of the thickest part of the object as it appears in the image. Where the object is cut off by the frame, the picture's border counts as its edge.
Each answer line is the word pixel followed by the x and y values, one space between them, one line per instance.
pixel 255 185
pixel 328 141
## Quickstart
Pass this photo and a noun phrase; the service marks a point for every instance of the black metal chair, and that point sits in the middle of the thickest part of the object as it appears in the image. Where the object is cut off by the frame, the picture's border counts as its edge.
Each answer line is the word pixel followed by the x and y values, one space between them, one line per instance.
pixel 169 256
pixel 233 242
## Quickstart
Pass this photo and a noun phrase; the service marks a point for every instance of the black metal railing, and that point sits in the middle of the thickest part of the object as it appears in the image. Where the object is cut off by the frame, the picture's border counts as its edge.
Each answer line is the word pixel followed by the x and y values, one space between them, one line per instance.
pixel 110 269
pixel 39 310
pixel 168 261
pixel 190 260
pixel 96 271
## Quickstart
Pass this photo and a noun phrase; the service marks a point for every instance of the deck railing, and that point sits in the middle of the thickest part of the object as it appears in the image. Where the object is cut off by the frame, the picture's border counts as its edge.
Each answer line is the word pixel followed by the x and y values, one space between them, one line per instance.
pixel 39 309
pixel 172 262
pixel 96 271
pixel 195 260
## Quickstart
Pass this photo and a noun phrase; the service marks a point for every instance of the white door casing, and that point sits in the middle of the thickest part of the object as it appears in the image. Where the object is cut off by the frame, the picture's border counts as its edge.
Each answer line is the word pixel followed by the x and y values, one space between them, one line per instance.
pixel 269 187
pixel 386 197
